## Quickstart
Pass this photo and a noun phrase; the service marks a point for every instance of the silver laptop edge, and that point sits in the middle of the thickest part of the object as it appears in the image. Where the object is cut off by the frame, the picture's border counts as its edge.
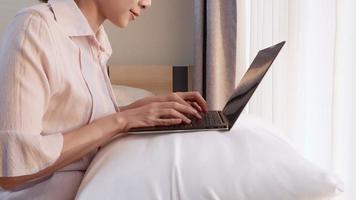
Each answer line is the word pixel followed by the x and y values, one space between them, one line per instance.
pixel 234 106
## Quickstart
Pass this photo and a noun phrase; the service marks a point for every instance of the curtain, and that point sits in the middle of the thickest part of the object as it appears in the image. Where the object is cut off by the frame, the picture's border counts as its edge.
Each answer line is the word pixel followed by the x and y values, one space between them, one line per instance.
pixel 310 91
pixel 214 71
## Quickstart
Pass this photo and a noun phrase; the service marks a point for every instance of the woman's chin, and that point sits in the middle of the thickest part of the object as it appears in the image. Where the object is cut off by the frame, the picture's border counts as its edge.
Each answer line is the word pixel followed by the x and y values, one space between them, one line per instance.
pixel 121 24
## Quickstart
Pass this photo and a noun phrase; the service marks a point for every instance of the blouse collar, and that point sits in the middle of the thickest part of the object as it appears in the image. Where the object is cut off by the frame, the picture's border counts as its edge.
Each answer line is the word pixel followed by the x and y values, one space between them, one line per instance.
pixel 71 19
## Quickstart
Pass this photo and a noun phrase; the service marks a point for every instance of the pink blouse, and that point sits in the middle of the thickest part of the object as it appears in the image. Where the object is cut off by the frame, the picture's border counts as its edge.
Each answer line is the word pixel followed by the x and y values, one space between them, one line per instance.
pixel 53 78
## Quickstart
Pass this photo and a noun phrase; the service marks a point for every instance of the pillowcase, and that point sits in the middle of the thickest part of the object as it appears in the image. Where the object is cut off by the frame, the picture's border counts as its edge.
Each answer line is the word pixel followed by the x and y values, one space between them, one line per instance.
pixel 125 95
pixel 248 163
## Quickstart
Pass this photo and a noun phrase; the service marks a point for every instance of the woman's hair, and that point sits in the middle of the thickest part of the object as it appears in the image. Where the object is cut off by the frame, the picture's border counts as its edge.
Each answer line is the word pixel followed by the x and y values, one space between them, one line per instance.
pixel 44 1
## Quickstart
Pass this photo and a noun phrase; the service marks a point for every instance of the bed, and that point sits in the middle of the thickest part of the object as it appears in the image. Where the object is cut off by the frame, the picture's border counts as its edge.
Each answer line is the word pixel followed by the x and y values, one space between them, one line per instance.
pixel 254 162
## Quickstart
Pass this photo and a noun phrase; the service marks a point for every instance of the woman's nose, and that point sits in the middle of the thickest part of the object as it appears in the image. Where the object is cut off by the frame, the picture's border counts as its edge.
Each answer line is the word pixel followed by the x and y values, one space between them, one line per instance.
pixel 144 4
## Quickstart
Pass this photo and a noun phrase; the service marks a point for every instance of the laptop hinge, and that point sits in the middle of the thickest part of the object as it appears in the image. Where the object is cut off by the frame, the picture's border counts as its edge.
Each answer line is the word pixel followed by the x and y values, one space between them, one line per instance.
pixel 224 119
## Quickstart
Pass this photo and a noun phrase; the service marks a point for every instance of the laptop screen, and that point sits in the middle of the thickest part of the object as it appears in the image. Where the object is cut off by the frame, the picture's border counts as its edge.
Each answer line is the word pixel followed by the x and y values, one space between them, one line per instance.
pixel 250 81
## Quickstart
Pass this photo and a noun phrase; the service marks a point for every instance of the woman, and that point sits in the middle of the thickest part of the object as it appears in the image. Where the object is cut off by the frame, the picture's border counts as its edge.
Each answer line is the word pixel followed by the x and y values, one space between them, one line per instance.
pixel 56 104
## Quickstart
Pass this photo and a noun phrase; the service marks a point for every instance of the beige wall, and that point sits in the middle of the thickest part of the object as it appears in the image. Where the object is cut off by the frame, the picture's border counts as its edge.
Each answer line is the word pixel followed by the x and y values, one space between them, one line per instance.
pixel 162 35
pixel 8 8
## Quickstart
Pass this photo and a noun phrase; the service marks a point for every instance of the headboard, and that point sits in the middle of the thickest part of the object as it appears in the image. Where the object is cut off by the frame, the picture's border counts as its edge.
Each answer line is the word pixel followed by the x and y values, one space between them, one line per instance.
pixel 158 79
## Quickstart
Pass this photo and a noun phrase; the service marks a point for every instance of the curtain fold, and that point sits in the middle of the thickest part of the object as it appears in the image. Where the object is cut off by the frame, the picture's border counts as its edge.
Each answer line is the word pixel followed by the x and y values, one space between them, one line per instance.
pixel 310 91
pixel 214 71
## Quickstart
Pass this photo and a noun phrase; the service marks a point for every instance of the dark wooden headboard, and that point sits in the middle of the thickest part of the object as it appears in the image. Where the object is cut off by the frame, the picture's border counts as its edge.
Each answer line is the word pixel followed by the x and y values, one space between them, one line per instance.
pixel 159 79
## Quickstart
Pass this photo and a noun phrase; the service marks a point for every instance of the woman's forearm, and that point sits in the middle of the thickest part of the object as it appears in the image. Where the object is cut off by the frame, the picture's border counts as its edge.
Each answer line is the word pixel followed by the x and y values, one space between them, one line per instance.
pixel 76 144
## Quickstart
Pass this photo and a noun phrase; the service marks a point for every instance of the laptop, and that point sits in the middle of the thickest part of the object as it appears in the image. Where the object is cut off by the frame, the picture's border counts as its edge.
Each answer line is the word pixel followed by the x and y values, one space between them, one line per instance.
pixel 225 119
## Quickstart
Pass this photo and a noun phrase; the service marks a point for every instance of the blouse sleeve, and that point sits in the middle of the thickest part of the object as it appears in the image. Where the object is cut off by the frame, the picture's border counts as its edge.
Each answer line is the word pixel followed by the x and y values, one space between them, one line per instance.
pixel 25 89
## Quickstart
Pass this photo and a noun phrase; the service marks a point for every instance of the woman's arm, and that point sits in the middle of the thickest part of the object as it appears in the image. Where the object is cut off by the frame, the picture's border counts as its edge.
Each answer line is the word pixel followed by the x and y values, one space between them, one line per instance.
pixel 193 99
pixel 81 141
pixel 76 144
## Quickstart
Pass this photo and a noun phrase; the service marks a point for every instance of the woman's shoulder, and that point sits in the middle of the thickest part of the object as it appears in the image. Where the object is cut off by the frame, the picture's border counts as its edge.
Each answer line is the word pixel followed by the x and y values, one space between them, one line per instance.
pixel 40 13
pixel 34 20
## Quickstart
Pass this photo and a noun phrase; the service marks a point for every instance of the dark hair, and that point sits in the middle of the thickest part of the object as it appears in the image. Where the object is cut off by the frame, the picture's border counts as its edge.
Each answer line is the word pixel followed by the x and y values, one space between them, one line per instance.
pixel 44 1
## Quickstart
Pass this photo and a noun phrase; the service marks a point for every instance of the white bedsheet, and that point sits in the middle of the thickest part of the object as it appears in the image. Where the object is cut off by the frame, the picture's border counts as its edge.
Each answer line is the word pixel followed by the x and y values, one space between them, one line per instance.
pixel 249 163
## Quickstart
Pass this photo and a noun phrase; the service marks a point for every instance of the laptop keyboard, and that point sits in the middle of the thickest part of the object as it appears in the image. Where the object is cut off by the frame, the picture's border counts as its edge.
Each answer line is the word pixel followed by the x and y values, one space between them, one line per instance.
pixel 210 120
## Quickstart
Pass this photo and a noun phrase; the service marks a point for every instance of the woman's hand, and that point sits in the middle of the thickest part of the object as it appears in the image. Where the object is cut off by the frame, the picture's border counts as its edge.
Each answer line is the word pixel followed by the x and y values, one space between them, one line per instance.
pixel 157 114
pixel 193 99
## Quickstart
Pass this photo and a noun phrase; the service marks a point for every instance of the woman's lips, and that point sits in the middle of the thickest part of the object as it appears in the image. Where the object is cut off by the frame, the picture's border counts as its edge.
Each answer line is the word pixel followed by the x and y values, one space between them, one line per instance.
pixel 135 14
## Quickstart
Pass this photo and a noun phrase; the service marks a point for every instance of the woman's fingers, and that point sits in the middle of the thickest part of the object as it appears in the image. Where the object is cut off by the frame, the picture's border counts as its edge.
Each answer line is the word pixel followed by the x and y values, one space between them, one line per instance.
pixel 184 97
pixel 168 122
pixel 167 110
pixel 195 105
pixel 161 113
pixel 194 97
pixel 172 113
pixel 181 108
pixel 177 98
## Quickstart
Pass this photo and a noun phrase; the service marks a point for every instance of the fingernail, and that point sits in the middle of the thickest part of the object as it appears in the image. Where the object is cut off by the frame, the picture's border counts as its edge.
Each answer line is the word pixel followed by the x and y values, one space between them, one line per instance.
pixel 196 113
pixel 199 116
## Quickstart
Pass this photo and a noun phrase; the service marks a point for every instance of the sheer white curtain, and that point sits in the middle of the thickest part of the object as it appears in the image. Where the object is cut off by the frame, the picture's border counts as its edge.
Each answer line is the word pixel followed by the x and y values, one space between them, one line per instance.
pixel 310 92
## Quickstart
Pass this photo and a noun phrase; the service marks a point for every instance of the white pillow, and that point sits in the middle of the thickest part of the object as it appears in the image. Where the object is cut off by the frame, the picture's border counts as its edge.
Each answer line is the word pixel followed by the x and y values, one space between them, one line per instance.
pixel 125 95
pixel 248 163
